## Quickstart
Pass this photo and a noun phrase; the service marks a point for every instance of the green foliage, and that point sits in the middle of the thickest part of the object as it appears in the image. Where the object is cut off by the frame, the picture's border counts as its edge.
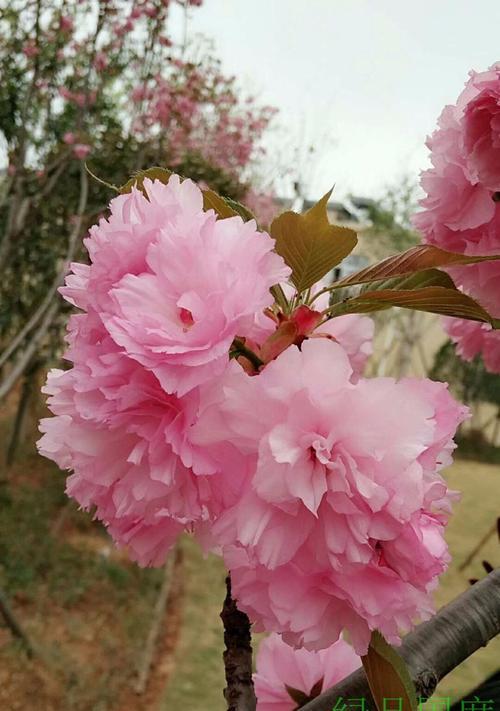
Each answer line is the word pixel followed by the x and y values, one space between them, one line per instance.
pixel 470 381
pixel 31 556
pixel 390 218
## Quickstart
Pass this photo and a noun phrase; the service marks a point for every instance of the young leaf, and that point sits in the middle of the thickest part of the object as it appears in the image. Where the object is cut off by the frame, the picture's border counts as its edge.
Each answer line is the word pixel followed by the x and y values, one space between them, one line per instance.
pixel 388 675
pixel 297 696
pixel 309 244
pixel 416 259
pixel 137 180
pixel 433 299
pixel 428 277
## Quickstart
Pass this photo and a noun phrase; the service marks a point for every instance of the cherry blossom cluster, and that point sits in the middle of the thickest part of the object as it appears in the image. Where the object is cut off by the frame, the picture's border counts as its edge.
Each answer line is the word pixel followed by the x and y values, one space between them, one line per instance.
pixel 185 407
pixel 196 107
pixel 461 210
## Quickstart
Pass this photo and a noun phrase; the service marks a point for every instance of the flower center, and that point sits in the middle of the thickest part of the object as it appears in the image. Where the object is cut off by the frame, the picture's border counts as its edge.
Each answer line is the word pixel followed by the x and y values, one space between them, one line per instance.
pixel 319 451
pixel 186 318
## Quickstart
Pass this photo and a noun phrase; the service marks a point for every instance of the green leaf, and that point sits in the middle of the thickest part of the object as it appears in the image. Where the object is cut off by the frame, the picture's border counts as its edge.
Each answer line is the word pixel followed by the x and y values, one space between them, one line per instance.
pixel 242 211
pixel 309 244
pixel 416 259
pixel 433 299
pixel 388 675
pixel 212 201
pixel 224 206
pixel 137 180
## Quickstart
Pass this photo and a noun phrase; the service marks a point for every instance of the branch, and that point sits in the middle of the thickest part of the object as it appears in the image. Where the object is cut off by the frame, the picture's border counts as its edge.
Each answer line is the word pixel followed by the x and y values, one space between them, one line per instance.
pixel 435 647
pixel 15 626
pixel 239 693
pixel 48 300
pixel 489 533
pixel 22 363
pixel 154 630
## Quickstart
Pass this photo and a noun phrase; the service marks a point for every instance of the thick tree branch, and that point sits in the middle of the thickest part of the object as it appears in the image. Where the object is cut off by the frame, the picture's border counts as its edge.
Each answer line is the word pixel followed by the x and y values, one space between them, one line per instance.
pixel 239 693
pixel 435 647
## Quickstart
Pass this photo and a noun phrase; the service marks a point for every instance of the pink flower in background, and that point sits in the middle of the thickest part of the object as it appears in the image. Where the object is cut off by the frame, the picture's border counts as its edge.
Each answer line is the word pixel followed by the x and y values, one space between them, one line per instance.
pixel 66 23
pixel 172 311
pixel 81 150
pixel 461 212
pixel 281 671
pixel 69 138
pixel 481 281
pixel 473 338
pixel 334 486
pixel 30 50
pixel 100 61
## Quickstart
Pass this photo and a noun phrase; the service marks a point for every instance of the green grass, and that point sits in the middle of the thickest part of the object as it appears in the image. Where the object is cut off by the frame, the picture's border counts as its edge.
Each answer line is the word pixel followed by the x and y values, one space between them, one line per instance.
pixel 474 515
pixel 198 675
pixel 86 607
pixel 197 678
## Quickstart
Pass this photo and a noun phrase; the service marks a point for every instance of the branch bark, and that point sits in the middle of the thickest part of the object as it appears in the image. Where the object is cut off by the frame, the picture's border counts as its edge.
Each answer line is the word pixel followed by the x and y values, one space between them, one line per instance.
pixel 239 693
pixel 435 647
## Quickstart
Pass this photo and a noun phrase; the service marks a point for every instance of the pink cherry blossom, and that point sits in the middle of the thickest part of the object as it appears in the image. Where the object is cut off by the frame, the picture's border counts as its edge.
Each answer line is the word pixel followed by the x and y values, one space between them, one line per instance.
pixel 124 438
pixel 69 138
pixel 279 666
pixel 116 429
pixel 66 23
pixel 30 50
pixel 100 61
pixel 461 212
pixel 81 150
pixel 473 338
pixel 335 486
pixel 170 309
pixel 355 334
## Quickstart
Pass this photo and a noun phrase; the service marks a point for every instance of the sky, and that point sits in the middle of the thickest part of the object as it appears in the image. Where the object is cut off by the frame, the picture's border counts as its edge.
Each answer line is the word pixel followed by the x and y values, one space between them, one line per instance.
pixel 364 80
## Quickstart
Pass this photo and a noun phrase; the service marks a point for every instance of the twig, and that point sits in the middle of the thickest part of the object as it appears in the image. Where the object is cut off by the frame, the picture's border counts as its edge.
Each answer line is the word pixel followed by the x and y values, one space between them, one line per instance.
pixel 15 626
pixel 435 647
pixel 239 693
pixel 22 407
pixel 489 533
pixel 154 630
